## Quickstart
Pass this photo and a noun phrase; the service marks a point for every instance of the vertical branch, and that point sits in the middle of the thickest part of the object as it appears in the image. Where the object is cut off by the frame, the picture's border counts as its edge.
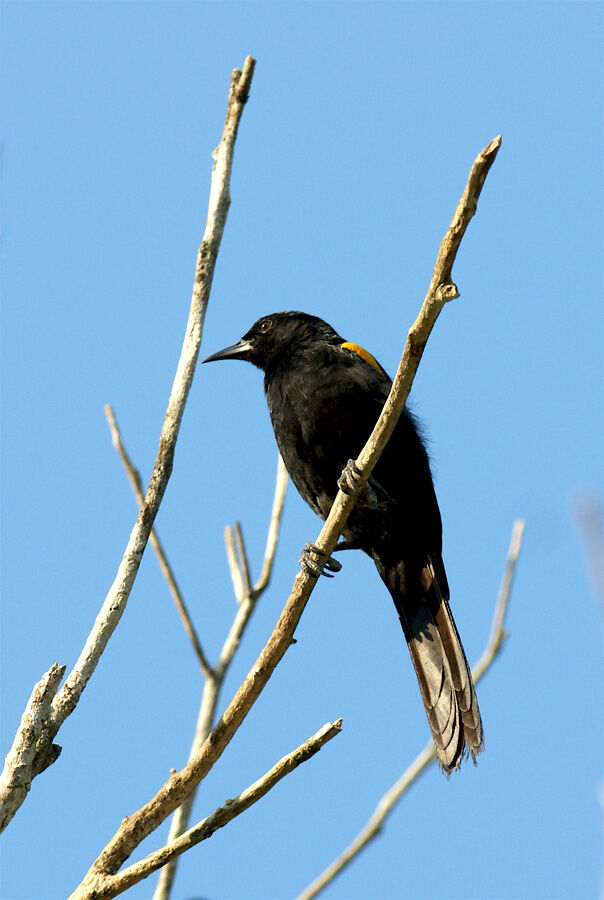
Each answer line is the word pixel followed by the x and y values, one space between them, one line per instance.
pixel 244 566
pixel 234 569
pixel 273 529
pixel 589 515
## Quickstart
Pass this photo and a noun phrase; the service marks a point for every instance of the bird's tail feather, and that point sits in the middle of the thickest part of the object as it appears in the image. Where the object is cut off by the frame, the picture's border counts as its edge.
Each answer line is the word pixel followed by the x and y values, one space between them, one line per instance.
pixel 439 660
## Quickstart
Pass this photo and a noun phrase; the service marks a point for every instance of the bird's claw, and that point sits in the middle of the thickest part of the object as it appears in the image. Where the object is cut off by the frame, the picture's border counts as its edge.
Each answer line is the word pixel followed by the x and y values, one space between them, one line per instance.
pixel 323 567
pixel 348 482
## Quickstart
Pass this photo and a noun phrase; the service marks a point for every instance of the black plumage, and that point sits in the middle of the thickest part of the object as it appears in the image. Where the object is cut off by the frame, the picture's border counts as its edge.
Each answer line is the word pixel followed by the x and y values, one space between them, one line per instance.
pixel 324 396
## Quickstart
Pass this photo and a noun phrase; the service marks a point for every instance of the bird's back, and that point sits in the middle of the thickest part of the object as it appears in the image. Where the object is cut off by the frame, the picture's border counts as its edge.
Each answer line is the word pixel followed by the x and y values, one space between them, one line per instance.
pixel 324 403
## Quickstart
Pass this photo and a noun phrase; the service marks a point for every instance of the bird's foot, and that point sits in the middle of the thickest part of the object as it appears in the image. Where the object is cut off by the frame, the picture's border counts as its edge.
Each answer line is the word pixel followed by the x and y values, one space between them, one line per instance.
pixel 324 566
pixel 348 482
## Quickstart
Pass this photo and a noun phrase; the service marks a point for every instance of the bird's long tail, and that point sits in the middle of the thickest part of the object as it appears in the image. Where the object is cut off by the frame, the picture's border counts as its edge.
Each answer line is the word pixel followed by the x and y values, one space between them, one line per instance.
pixel 420 594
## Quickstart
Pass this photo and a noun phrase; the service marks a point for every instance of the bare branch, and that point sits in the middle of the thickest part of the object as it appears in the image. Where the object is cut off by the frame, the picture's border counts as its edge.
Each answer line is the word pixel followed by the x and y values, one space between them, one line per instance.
pixel 589 515
pixel 234 569
pixel 249 599
pixel 238 564
pixel 273 531
pixel 428 755
pixel 116 884
pixel 115 602
pixel 213 680
pixel 164 565
pixel 244 565
pixel 212 688
pixel 440 291
pixel 136 827
pixel 30 753
pixel 498 633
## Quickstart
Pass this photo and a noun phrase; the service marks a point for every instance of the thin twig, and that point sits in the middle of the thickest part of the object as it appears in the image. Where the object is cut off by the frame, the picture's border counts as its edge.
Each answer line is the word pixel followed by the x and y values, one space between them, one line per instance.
pixel 234 568
pixel 391 798
pixel 166 569
pixel 273 531
pixel 244 565
pixel 117 884
pixel 212 687
pixel 238 563
pixel 589 516
pixel 115 602
pixel 136 827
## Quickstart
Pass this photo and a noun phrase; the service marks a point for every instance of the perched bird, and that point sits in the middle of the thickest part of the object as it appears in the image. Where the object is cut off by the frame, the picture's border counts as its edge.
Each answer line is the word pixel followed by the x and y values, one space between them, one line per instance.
pixel 324 396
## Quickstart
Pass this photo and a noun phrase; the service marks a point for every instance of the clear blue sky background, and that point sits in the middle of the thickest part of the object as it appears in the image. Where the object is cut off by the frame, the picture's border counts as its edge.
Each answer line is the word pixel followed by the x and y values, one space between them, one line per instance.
pixel 361 128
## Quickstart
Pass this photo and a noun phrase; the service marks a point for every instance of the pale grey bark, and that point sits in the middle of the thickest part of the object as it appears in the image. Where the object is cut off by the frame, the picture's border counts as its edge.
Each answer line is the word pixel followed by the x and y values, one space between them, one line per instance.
pixel 179 786
pixel 23 763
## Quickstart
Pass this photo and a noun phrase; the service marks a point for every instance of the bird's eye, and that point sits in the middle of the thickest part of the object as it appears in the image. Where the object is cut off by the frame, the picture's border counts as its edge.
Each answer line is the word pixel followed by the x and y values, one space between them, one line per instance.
pixel 266 325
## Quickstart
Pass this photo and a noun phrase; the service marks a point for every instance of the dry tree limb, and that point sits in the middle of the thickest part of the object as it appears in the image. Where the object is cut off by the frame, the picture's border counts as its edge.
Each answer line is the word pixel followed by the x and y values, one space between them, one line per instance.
pixel 244 593
pixel 164 565
pixel 135 828
pixel 111 612
pixel 589 517
pixel 115 602
pixel 440 291
pixel 391 798
pixel 30 753
pixel 117 884
pixel 244 566
pixel 234 569
pixel 273 528
pixel 209 700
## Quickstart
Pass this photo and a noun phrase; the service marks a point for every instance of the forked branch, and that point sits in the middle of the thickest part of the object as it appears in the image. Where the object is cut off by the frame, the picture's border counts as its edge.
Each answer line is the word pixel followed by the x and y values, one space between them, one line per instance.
pixel 136 827
pixel 246 603
pixel 117 884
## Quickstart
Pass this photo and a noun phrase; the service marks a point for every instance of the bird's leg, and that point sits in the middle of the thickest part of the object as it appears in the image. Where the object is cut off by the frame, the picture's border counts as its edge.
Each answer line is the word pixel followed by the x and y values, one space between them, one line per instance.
pixel 348 482
pixel 318 568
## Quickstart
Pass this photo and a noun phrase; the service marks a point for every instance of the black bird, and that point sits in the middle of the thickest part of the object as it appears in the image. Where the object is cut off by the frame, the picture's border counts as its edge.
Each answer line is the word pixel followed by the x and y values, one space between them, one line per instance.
pixel 324 396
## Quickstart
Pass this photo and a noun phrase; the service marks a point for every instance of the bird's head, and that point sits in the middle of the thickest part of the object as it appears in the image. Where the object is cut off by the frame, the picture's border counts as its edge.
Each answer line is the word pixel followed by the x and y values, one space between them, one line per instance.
pixel 277 335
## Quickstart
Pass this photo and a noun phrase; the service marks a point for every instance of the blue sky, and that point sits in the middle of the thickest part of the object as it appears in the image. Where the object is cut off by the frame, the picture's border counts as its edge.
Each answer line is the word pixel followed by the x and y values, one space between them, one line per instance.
pixel 363 122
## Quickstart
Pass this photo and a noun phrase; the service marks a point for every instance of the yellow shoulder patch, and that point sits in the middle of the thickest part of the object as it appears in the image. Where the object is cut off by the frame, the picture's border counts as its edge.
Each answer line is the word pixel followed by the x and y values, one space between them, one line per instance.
pixel 364 354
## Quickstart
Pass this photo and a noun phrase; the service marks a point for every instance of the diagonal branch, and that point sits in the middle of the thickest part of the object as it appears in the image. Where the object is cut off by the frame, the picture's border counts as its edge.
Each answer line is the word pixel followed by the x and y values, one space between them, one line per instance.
pixel 428 755
pixel 136 827
pixel 117 884
pixel 30 753
pixel 115 602
pixel 119 592
pixel 166 569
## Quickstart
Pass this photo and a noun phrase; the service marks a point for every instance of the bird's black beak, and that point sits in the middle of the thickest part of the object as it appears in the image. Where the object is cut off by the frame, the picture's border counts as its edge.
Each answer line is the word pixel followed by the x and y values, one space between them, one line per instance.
pixel 241 350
